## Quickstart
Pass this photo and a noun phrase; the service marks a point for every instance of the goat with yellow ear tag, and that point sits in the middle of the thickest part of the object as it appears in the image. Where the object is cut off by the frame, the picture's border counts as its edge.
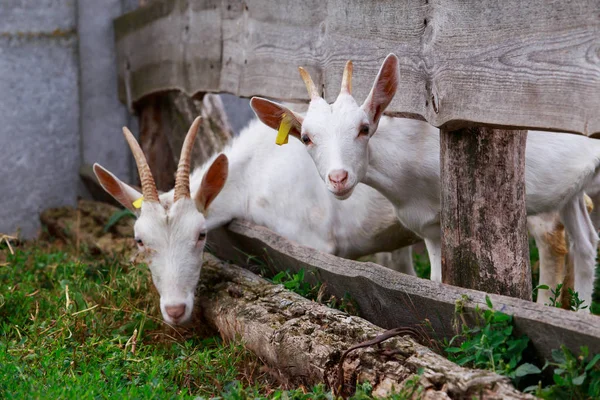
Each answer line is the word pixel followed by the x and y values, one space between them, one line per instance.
pixel 170 230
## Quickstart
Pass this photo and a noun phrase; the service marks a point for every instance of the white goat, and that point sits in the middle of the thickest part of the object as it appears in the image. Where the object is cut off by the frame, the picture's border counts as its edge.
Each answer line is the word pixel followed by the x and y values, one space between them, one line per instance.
pixel 171 237
pixel 402 162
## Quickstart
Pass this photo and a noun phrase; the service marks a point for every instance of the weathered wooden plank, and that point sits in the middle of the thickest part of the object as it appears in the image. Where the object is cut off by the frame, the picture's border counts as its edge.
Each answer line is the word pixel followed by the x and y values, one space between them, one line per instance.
pixel 528 64
pixel 483 217
pixel 390 299
pixel 169 45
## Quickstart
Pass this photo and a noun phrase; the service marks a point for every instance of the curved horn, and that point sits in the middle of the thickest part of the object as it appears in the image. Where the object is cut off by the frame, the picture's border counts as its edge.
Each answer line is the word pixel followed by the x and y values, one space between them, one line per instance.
pixel 148 186
pixel 310 85
pixel 347 79
pixel 182 177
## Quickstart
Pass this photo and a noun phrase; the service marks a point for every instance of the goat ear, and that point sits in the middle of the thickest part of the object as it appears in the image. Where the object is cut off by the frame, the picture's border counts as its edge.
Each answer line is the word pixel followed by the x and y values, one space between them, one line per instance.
pixel 121 191
pixel 271 113
pixel 383 89
pixel 212 182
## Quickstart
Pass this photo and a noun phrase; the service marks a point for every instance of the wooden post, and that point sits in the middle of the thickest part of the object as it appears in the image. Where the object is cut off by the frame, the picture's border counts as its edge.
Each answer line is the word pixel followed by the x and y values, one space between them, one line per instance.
pixel 164 121
pixel 155 144
pixel 484 225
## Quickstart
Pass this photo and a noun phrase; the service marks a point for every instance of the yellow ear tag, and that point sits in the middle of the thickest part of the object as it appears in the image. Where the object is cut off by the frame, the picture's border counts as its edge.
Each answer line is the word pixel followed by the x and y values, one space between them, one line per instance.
pixel 138 202
pixel 284 130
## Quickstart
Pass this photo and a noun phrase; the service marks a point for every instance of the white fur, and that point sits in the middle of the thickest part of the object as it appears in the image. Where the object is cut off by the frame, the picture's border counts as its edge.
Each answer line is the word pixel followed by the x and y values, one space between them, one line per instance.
pixel 410 179
pixel 552 261
pixel 279 188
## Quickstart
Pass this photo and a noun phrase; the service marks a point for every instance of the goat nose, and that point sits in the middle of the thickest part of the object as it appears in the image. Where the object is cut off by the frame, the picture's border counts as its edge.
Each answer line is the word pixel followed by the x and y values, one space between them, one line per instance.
pixel 175 312
pixel 338 176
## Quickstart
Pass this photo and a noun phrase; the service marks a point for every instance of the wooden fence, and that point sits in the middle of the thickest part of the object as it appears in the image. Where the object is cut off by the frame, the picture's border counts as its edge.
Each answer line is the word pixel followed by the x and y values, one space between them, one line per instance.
pixel 474 68
pixel 391 299
pixel 510 63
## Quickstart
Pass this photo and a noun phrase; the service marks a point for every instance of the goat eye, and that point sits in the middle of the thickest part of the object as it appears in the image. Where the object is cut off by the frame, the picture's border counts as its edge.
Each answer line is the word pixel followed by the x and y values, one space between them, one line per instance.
pixel 364 130
pixel 305 139
pixel 139 242
pixel 201 236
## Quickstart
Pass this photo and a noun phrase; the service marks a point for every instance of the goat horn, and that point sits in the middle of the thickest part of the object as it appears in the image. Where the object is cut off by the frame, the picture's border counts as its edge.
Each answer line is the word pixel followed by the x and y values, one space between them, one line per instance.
pixel 182 178
pixel 148 186
pixel 310 85
pixel 347 79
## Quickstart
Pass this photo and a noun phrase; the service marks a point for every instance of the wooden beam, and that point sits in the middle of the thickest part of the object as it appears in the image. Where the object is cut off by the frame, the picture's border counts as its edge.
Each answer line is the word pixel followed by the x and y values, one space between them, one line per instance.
pixel 498 63
pixel 391 299
pixel 483 218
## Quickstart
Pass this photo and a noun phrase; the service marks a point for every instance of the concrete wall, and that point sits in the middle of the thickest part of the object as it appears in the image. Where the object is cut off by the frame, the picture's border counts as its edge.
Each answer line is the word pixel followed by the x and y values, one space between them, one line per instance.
pixel 238 111
pixel 102 115
pixel 39 110
pixel 59 105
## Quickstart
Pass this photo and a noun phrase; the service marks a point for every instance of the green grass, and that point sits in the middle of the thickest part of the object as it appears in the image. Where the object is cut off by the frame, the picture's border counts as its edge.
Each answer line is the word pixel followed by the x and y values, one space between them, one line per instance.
pixel 67 326
pixel 81 326
pixel 69 321
pixel 491 343
pixel 421 264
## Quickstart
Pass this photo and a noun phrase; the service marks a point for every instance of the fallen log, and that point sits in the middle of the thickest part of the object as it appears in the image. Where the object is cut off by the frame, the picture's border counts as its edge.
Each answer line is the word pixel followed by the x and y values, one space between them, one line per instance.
pixel 304 340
